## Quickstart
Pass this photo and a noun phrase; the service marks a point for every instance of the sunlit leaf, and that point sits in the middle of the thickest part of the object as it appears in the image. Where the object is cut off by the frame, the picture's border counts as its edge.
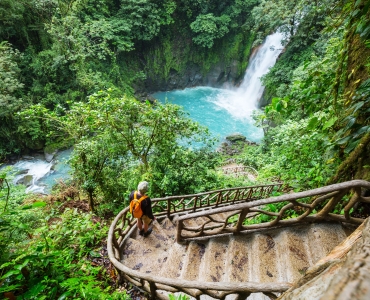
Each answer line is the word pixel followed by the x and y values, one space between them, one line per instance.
pixel 330 123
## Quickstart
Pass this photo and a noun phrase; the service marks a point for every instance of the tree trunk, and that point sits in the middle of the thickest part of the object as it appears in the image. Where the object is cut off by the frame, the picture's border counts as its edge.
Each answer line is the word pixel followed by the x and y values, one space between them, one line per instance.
pixel 91 200
pixel 350 165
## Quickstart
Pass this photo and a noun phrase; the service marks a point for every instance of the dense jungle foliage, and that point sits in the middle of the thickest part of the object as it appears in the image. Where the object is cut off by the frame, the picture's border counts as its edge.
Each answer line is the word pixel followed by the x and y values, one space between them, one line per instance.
pixel 70 73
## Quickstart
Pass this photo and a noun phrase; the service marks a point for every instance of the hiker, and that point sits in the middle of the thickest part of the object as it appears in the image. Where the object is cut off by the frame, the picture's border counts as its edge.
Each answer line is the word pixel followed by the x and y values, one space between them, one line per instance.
pixel 141 208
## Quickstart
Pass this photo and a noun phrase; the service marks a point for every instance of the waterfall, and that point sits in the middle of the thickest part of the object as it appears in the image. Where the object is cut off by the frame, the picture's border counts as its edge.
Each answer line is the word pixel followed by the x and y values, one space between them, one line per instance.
pixel 38 175
pixel 32 171
pixel 244 99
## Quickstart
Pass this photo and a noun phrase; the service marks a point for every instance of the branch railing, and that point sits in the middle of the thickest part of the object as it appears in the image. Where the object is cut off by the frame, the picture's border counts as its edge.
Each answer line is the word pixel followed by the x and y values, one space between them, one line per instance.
pixel 124 224
pixel 321 204
pixel 240 207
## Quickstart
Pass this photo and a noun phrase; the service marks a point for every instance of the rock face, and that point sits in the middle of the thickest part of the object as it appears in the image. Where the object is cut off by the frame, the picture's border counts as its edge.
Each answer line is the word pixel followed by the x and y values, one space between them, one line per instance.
pixel 26 180
pixel 343 274
pixel 236 138
pixel 219 75
pixel 49 156
pixel 234 144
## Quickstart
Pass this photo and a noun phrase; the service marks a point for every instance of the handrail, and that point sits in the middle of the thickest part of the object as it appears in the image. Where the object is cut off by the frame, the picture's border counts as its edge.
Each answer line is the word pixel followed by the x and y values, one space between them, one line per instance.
pixel 240 202
pixel 124 224
pixel 315 205
pixel 202 201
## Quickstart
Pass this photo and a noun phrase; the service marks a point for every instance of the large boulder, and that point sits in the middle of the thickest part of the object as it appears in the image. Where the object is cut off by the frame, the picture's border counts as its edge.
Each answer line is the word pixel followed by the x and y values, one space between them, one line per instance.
pixel 236 137
pixel 26 180
pixel 49 155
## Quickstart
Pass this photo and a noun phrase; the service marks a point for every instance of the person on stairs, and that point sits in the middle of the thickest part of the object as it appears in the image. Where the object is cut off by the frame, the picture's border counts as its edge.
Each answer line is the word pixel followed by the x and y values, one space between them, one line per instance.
pixel 145 216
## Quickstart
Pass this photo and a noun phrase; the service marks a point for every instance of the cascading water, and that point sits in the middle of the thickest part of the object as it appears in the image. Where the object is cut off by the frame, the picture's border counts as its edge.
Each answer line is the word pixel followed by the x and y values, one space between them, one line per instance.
pixel 33 170
pixel 244 100
pixel 39 175
pixel 223 111
pixel 228 111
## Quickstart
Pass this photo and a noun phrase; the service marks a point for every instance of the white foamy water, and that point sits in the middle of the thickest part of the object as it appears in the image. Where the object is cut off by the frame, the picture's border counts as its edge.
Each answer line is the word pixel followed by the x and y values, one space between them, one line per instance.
pixel 241 102
pixel 36 168
pixel 43 175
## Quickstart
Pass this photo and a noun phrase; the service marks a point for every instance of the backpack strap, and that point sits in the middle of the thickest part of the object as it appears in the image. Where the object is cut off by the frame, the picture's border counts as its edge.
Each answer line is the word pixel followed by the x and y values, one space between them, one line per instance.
pixel 141 199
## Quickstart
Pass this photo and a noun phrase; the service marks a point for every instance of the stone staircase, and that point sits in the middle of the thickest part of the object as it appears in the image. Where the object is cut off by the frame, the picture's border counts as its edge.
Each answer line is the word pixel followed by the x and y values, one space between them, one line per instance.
pixel 272 255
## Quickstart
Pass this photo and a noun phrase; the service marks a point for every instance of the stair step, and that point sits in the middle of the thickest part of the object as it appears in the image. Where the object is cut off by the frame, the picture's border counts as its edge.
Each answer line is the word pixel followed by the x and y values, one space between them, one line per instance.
pixel 169 228
pixel 192 262
pixel 239 259
pixel 323 238
pixel 295 257
pixel 276 255
pixel 143 258
pixel 213 266
pixel 157 239
pixel 173 266
pixel 191 223
pixel 264 265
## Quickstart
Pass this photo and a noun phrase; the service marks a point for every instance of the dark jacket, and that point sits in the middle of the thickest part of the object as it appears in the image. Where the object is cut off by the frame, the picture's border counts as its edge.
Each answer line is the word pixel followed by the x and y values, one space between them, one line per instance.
pixel 146 205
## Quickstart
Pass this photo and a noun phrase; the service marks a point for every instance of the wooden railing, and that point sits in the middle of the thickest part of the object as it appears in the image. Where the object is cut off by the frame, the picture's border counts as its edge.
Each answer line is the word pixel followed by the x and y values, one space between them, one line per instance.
pixel 240 207
pixel 316 205
pixel 123 225
pixel 213 199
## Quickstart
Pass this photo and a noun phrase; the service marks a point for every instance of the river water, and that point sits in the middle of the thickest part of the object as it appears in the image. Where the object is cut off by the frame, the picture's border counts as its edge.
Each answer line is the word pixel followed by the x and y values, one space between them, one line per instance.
pixel 228 111
pixel 223 111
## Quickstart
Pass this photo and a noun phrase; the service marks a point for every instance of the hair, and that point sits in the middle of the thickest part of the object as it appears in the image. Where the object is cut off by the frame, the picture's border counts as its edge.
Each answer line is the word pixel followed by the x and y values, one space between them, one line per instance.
pixel 143 187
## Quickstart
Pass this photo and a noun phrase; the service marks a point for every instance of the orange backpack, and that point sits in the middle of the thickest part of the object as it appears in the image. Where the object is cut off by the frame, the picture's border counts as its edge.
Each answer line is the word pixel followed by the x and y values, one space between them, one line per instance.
pixel 135 206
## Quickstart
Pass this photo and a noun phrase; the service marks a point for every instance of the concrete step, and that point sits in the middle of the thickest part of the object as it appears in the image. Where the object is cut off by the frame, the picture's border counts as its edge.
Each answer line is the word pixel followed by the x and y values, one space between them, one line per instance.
pixel 323 238
pixel 157 239
pixel 143 258
pixel 213 267
pixel 265 256
pixel 277 255
pixel 174 263
pixel 295 256
pixel 193 260
pixel 169 228
pixel 239 259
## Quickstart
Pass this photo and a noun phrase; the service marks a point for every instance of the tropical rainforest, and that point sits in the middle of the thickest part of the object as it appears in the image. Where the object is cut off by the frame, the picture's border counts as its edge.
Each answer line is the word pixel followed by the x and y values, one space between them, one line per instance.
pixel 79 73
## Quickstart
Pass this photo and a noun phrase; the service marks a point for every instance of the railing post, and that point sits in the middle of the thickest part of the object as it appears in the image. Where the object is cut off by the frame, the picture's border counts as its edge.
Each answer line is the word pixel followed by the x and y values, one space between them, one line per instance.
pixel 219 199
pixel 242 215
pixel 180 226
pixel 195 204
pixel 153 289
pixel 329 207
pixel 168 208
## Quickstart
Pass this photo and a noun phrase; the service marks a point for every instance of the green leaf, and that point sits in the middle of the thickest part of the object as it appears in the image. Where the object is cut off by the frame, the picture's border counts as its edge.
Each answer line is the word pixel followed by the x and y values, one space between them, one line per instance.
pixel 64 295
pixel 279 107
pixel 9 288
pixel 343 140
pixel 350 123
pixel 27 207
pixel 357 106
pixel 94 254
pixel 10 273
pixel 330 123
pixel 312 124
pixel 38 204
